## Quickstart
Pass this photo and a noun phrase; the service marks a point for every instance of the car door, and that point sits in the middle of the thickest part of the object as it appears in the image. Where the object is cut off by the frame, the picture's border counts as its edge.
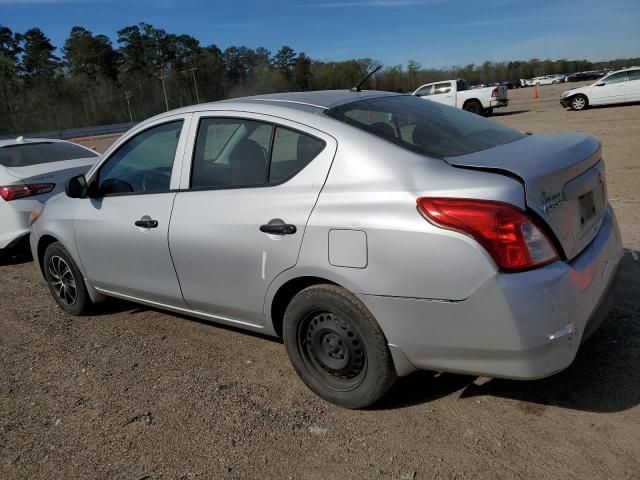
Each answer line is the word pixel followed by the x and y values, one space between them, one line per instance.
pixel 122 228
pixel 240 216
pixel 632 86
pixel 610 89
pixel 443 93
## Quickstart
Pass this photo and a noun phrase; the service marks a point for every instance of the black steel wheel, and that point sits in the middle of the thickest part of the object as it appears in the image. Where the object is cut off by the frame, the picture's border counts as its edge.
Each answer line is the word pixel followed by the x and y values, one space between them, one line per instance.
pixel 337 347
pixel 333 350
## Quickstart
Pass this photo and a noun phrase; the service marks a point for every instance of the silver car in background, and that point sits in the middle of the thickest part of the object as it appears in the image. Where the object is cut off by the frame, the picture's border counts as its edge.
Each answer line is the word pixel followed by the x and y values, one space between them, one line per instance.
pixel 376 233
pixel 32 171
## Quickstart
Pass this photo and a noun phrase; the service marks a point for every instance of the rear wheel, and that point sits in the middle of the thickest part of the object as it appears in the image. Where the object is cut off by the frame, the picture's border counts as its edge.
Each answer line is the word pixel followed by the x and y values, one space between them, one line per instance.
pixel 65 280
pixel 487 112
pixel 473 106
pixel 337 347
pixel 579 102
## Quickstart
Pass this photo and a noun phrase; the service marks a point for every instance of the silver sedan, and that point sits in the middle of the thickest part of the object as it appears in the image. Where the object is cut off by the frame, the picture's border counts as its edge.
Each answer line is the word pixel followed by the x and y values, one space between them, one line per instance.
pixel 376 233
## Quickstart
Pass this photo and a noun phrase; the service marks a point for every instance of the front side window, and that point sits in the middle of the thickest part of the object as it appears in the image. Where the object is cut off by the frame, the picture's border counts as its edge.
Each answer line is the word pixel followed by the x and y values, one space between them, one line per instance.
pixel 427 128
pixel 235 153
pixel 143 164
pixel 425 91
pixel 615 78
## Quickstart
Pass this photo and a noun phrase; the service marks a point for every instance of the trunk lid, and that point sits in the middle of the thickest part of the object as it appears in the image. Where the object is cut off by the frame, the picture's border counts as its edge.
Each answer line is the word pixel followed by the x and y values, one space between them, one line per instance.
pixel 54 172
pixel 42 172
pixel 564 180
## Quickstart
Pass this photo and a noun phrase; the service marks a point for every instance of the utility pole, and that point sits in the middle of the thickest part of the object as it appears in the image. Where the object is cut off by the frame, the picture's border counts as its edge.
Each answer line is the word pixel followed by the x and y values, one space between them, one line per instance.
pixel 195 83
pixel 164 90
pixel 128 94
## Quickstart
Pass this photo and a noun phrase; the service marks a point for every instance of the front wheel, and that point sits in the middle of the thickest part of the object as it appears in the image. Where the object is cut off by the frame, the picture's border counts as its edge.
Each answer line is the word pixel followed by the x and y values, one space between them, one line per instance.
pixel 337 347
pixel 579 102
pixel 65 280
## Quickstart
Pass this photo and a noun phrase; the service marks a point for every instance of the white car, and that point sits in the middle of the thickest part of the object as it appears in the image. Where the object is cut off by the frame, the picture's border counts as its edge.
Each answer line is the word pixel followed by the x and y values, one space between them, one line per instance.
pixel 621 86
pixel 456 93
pixel 32 171
pixel 547 80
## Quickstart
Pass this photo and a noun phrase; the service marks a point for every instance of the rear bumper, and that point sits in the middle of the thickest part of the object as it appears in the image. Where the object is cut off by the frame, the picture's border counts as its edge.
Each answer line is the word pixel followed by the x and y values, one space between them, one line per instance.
pixel 521 325
pixel 499 103
pixel 14 220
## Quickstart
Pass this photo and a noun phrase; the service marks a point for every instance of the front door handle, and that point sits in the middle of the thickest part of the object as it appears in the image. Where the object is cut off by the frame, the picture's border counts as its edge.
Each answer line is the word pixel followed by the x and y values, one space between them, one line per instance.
pixel 146 222
pixel 279 228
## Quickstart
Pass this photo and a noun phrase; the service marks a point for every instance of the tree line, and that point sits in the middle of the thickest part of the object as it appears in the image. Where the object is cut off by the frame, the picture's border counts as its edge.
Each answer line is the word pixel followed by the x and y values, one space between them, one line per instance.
pixel 93 82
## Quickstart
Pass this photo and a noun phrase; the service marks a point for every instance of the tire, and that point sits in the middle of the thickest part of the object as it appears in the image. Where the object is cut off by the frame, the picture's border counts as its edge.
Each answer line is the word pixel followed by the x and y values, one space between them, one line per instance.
pixel 579 102
pixel 65 280
pixel 337 348
pixel 487 112
pixel 473 106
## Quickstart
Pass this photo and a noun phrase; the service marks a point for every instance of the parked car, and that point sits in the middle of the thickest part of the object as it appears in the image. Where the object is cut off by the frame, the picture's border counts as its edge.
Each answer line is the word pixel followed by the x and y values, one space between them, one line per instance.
pixel 456 93
pixel 584 76
pixel 621 86
pixel 511 84
pixel 547 80
pixel 31 171
pixel 377 233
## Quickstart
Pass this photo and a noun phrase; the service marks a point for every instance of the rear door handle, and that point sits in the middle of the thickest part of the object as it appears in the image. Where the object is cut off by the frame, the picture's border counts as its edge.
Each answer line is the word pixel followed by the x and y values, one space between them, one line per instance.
pixel 146 223
pixel 278 228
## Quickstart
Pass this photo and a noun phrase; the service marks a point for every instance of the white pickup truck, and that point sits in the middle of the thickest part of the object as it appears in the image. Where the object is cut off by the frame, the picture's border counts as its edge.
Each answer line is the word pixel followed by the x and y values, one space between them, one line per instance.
pixel 456 93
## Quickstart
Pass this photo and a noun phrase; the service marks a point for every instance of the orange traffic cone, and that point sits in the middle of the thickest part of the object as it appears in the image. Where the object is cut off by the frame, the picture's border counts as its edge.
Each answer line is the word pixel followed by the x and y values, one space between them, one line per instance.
pixel 535 91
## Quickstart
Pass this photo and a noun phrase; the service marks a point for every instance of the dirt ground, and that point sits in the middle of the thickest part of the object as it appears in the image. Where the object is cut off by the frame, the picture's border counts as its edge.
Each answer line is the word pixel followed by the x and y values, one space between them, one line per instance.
pixel 134 393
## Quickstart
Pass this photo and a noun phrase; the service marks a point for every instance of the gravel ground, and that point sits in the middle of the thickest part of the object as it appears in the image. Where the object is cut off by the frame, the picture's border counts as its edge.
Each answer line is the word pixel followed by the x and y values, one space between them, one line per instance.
pixel 135 393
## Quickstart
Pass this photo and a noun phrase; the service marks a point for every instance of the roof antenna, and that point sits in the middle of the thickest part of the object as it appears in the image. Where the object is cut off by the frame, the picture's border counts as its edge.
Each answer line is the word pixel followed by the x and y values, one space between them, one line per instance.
pixel 358 88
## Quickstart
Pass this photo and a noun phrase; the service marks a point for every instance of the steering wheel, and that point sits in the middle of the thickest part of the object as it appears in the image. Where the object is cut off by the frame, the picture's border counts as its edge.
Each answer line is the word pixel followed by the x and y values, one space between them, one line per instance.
pixel 155 180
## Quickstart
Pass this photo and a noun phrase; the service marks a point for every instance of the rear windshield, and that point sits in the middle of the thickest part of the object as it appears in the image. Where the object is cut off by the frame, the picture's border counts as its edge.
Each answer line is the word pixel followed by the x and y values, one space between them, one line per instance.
pixel 424 126
pixel 29 154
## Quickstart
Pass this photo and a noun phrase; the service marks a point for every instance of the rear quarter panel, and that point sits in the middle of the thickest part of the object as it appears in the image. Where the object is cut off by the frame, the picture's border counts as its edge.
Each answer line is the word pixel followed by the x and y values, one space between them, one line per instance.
pixel 372 187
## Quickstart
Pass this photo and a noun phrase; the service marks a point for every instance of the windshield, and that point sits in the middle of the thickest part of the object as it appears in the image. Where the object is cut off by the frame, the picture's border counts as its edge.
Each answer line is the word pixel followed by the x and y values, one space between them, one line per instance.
pixel 28 154
pixel 423 126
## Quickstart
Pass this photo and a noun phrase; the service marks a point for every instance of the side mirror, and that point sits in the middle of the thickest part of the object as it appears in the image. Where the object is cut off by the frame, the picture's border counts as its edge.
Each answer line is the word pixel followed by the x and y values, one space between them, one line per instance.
pixel 76 187
pixel 601 84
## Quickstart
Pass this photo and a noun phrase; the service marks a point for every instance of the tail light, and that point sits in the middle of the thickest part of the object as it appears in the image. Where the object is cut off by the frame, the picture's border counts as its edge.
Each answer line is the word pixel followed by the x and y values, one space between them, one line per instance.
pixel 14 192
pixel 512 239
pixel 494 92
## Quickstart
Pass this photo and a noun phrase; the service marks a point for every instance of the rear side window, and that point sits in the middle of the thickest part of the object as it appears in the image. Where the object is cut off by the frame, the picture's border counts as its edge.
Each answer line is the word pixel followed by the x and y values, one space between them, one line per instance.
pixel 427 128
pixel 633 75
pixel 292 151
pixel 28 154
pixel 235 153
pixel 442 88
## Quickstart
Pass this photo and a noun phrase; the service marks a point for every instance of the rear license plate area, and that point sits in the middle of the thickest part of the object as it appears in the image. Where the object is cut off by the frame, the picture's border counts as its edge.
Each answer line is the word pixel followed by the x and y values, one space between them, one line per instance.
pixel 587 207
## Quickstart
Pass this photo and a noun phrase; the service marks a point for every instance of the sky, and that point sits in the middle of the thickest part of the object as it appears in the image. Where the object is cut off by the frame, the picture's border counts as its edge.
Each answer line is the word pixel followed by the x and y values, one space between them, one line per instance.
pixel 436 33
